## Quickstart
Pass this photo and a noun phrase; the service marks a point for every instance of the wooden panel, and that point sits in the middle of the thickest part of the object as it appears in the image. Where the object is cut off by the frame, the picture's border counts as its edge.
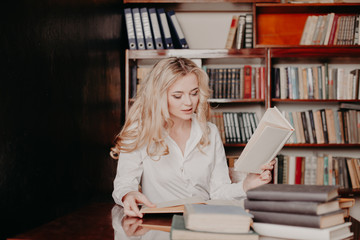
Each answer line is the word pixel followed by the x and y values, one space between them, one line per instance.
pixel 279 29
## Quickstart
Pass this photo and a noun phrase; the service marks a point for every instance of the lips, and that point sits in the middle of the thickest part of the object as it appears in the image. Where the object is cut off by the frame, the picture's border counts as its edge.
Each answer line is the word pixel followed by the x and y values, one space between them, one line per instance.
pixel 187 110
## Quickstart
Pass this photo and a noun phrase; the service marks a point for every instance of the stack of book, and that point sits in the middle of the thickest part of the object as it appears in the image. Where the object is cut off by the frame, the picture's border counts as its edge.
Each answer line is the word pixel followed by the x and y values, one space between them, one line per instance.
pixel 297 211
pixel 201 221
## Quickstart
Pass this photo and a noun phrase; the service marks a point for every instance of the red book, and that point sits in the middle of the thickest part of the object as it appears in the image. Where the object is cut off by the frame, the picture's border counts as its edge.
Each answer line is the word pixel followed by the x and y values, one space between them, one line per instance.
pixel 333 30
pixel 247 81
pixel 298 170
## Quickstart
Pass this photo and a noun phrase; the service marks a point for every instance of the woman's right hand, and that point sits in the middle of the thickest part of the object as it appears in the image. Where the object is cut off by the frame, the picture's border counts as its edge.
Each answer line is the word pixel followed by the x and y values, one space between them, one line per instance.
pixel 131 201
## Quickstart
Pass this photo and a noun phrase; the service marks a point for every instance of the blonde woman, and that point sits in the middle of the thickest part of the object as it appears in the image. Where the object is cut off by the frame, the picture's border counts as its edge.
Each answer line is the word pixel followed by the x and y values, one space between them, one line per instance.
pixel 168 146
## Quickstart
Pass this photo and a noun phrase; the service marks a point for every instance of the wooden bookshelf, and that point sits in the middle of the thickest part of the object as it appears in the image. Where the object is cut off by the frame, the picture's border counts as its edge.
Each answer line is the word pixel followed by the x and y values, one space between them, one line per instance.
pixel 277 32
pixel 281 25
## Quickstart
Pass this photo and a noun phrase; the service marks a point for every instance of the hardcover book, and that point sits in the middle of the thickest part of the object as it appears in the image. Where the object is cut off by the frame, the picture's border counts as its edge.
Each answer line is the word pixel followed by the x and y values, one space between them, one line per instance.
pixel 296 192
pixel 179 232
pixel 300 207
pixel 217 218
pixel 302 220
pixel 341 231
pixel 269 137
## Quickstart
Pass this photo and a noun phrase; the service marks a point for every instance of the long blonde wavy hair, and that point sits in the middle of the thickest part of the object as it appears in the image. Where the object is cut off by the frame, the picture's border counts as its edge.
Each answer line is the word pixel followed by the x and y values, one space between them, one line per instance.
pixel 148 118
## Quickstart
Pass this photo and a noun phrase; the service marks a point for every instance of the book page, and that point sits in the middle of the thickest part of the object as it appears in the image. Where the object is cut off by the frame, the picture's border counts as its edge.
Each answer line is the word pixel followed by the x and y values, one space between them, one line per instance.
pixel 268 139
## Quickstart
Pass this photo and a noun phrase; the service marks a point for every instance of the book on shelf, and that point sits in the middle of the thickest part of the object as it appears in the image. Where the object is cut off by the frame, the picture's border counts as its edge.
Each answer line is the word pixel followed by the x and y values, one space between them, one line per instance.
pixel 302 220
pixel 300 207
pixel 148 35
pixel 155 27
pixel 139 34
pixel 232 32
pixel 240 32
pixel 265 143
pixel 165 29
pixel 249 22
pixel 176 31
pixel 331 29
pixel 291 192
pixel 341 231
pixel 180 232
pixel 129 22
pixel 217 218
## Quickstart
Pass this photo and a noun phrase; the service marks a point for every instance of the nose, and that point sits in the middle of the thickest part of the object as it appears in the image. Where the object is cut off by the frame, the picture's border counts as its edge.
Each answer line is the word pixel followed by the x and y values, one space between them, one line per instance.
pixel 187 100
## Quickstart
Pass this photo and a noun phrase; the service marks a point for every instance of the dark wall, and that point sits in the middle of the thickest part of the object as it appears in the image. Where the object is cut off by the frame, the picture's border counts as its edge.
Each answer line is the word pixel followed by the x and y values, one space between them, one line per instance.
pixel 60 107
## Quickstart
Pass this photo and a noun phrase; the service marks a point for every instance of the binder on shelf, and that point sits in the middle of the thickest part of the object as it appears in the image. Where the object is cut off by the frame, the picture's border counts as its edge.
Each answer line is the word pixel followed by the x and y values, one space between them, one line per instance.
pixel 147 28
pixel 138 29
pixel 129 21
pixel 249 30
pixel 177 33
pixel 165 30
pixel 158 41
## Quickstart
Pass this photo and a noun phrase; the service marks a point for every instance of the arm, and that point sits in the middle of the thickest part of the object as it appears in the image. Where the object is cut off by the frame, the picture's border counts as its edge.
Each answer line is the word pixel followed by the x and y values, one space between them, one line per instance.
pixel 126 183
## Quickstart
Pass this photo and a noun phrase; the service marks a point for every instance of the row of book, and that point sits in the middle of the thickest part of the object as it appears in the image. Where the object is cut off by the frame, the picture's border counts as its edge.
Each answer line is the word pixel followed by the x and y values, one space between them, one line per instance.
pixel 316 82
pixel 235 127
pixel 324 169
pixel 288 211
pixel 247 82
pixel 331 29
pixel 241 32
pixel 153 28
pixel 325 126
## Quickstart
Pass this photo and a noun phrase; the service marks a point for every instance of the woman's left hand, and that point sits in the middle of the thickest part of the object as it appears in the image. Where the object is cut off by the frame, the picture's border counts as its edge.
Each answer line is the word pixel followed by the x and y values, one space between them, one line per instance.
pixel 254 180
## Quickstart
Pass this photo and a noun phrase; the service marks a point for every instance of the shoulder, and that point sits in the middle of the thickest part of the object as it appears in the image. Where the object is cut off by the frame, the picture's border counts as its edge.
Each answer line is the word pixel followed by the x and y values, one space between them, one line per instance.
pixel 212 128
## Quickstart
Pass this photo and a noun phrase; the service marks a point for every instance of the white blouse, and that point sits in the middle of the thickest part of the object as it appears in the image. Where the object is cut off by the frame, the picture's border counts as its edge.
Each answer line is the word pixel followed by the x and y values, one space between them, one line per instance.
pixel 174 176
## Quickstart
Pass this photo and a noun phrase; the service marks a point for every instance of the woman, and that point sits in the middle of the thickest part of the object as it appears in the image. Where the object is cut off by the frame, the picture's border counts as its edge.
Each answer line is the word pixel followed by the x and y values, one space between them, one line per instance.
pixel 168 146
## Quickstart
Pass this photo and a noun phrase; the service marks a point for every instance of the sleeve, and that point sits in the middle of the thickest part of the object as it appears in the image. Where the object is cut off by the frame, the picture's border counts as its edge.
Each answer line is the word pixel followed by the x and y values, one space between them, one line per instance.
pixel 128 175
pixel 220 183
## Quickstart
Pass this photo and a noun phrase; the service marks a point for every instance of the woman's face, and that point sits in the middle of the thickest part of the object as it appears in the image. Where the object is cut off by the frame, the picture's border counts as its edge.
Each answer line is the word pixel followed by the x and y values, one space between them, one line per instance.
pixel 183 97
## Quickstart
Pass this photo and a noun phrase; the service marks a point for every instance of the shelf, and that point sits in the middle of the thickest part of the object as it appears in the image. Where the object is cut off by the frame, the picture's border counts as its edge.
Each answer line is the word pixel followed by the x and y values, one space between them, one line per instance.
pixel 197 53
pixel 236 101
pixel 199 1
pixel 328 145
pixel 320 51
pixel 314 100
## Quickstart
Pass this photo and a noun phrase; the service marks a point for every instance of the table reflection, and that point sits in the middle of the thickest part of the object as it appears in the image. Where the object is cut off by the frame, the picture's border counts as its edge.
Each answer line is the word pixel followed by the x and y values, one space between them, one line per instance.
pixel 151 227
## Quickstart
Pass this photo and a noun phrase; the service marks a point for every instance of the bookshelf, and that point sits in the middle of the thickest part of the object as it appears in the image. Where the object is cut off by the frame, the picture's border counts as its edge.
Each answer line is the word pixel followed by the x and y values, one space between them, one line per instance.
pixel 277 31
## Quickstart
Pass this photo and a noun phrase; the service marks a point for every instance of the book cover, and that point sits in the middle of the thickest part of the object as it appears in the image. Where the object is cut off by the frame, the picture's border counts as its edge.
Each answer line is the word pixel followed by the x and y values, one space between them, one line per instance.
pixel 175 28
pixel 175 206
pixel 302 220
pixel 129 21
pixel 269 137
pixel 341 231
pixel 148 36
pixel 165 29
pixel 291 192
pixel 232 32
pixel 155 27
pixel 139 34
pixel 299 207
pixel 179 232
pixel 217 218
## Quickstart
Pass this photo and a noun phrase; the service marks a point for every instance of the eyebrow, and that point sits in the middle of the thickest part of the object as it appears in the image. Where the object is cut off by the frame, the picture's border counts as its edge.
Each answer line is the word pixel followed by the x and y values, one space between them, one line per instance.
pixel 197 88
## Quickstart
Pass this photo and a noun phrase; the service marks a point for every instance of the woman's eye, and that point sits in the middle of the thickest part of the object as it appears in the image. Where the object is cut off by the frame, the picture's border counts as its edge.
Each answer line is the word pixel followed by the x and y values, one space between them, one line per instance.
pixel 177 96
pixel 195 93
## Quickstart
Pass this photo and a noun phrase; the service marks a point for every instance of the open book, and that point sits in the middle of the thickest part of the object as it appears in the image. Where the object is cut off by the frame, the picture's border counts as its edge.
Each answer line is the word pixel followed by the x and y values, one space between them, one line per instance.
pixel 177 206
pixel 269 137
